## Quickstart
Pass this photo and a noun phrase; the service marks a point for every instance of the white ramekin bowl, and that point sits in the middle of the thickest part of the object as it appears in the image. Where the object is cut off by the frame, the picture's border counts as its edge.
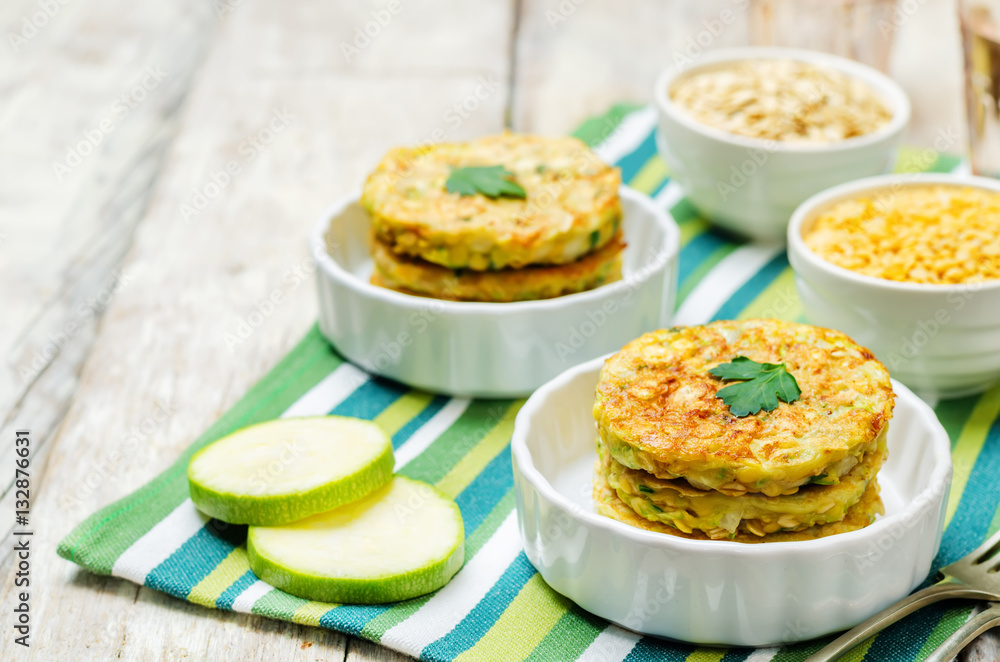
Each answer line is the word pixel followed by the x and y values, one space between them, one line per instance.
pixel 940 340
pixel 751 186
pixel 488 349
pixel 720 592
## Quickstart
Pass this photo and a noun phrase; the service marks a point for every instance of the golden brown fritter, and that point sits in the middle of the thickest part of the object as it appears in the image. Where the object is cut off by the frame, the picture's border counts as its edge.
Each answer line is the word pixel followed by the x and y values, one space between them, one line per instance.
pixel 657 410
pixel 858 516
pixel 719 516
pixel 416 276
pixel 572 205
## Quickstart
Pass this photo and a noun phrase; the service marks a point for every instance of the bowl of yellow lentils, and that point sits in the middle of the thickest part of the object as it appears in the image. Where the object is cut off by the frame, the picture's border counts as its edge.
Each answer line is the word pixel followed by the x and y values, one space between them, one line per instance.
pixel 909 266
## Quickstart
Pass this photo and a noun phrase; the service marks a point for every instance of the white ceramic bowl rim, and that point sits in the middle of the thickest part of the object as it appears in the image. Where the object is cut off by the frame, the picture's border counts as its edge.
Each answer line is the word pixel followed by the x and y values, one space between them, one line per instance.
pixel 885 86
pixel 841 542
pixel 824 199
pixel 317 246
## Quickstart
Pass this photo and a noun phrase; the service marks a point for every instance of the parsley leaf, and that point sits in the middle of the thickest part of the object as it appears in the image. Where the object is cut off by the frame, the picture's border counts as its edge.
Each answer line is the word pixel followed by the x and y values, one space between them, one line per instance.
pixel 762 384
pixel 491 181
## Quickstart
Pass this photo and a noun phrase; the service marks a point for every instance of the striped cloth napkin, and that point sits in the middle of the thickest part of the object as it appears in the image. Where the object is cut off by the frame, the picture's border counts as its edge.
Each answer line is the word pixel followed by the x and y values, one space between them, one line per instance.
pixel 498 607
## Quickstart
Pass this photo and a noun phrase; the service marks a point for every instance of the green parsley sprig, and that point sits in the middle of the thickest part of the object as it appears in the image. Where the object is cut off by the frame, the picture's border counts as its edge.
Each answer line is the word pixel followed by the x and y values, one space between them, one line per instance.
pixel 491 181
pixel 761 385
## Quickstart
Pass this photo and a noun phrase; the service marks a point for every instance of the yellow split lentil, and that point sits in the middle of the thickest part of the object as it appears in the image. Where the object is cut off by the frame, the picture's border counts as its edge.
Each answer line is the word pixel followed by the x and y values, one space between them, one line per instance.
pixel 938 234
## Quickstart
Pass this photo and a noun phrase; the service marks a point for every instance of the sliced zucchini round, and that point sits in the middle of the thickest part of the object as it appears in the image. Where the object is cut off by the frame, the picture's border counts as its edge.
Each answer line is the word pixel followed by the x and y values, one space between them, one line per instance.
pixel 404 540
pixel 284 470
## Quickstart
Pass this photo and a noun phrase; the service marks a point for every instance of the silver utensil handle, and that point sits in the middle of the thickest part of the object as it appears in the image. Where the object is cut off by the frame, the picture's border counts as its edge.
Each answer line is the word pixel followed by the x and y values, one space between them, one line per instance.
pixel 941 591
pixel 964 635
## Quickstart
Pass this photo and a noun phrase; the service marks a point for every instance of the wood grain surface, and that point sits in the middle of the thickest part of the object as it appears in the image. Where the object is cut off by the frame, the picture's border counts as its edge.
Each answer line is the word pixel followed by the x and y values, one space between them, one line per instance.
pixel 117 301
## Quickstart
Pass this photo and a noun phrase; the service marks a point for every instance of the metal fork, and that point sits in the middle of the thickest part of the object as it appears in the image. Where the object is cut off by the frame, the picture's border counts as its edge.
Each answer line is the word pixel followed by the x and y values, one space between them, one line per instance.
pixel 973 577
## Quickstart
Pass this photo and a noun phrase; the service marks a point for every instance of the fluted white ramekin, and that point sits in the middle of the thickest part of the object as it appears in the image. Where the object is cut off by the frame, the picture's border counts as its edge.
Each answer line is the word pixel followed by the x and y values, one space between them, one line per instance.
pixel 715 591
pixel 489 349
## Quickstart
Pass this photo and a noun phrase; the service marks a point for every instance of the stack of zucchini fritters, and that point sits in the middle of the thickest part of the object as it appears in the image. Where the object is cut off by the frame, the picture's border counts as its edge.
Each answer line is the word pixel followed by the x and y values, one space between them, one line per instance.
pixel 562 237
pixel 673 458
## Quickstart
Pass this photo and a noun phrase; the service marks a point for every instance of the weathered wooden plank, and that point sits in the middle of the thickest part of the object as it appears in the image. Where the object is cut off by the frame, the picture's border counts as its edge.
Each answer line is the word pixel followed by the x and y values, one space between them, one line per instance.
pixel 575 59
pixel 67 227
pixel 927 61
pixel 88 108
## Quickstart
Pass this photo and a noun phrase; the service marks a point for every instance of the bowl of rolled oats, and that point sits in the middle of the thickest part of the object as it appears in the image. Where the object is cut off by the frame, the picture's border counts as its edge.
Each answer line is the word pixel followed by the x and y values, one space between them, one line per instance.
pixel 750 133
pixel 909 266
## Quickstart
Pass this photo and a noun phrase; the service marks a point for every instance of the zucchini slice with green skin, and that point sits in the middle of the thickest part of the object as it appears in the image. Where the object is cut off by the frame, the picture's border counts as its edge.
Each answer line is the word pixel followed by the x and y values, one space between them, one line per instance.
pixel 406 539
pixel 284 470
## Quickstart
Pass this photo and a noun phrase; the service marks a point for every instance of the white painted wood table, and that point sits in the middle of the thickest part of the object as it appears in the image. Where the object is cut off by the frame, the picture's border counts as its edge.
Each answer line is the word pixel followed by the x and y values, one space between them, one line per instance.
pixel 119 284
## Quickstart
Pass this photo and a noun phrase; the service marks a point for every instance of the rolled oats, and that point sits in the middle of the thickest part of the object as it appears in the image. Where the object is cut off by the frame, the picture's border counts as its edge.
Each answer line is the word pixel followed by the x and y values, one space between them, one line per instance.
pixel 782 100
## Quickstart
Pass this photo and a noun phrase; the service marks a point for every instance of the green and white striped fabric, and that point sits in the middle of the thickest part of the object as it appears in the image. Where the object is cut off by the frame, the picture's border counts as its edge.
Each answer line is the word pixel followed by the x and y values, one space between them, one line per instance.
pixel 498 607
